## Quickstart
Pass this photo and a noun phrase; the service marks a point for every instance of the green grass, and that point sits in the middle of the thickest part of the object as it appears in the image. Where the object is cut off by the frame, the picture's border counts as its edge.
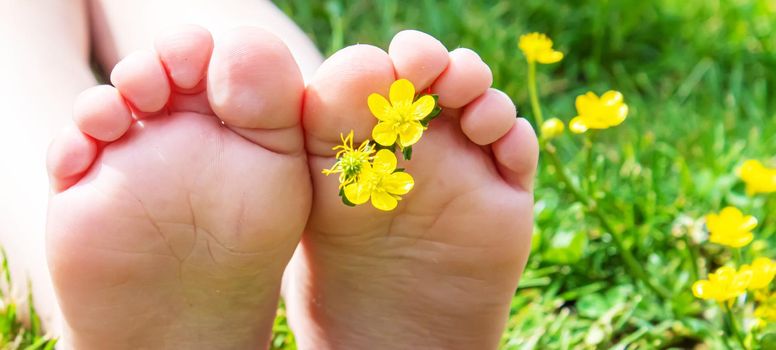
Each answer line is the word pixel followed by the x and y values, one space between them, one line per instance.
pixel 17 332
pixel 700 78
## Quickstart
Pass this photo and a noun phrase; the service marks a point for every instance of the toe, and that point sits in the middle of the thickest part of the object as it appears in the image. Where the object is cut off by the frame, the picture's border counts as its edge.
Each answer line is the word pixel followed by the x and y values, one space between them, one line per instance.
pixel 141 79
pixel 336 98
pixel 253 81
pixel 465 78
pixel 69 156
pixel 101 113
pixel 517 154
pixel 185 53
pixel 489 117
pixel 418 57
pixel 255 87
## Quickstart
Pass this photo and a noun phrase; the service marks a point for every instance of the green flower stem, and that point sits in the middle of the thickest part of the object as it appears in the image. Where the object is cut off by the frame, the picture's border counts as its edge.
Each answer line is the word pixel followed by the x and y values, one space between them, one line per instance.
pixel 693 254
pixel 737 256
pixel 535 107
pixel 632 264
pixel 733 324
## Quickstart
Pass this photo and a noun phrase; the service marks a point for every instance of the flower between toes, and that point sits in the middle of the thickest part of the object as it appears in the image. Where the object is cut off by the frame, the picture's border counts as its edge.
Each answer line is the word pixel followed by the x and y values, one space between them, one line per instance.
pixel 401 118
pixel 380 182
pixel 350 161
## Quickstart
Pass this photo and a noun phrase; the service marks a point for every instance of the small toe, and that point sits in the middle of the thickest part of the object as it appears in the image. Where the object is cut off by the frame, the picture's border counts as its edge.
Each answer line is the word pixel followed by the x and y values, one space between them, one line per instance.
pixel 336 98
pixel 101 113
pixel 418 57
pixel 253 81
pixel 465 78
pixel 141 79
pixel 185 53
pixel 517 154
pixel 489 117
pixel 69 156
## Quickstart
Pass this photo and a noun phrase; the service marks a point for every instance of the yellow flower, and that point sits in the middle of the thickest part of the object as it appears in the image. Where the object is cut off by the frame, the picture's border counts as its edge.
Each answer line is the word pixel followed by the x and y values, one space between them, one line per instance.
pixel 401 117
pixel 763 270
pixel 350 161
pixel 598 113
pixel 757 177
pixel 537 47
pixel 552 128
pixel 730 227
pixel 724 284
pixel 766 308
pixel 381 182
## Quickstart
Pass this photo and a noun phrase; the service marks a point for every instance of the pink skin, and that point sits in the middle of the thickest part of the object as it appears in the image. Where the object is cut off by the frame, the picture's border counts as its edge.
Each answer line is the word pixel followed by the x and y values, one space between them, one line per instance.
pixel 440 270
pixel 174 231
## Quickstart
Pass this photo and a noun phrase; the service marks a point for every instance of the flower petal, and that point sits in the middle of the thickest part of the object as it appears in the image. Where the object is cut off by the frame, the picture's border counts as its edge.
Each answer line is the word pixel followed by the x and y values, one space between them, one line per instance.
pixel 402 92
pixel 586 103
pixel 384 133
pixel 712 221
pixel 611 97
pixel 619 115
pixel 357 193
pixel 398 183
pixel 379 107
pixel 410 133
pixel 748 223
pixel 700 289
pixel 423 107
pixel 731 213
pixel 384 201
pixel 548 57
pixel 577 125
pixel 384 162
pixel 749 168
pixel 740 241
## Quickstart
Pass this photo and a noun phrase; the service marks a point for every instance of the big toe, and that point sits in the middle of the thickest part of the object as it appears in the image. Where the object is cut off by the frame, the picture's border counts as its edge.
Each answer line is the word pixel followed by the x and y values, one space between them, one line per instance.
pixel 255 87
pixel 336 98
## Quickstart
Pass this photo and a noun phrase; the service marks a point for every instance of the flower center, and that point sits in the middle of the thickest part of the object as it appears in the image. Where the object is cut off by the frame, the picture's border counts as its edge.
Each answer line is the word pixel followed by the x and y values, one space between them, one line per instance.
pixel 402 112
pixel 372 181
pixel 352 163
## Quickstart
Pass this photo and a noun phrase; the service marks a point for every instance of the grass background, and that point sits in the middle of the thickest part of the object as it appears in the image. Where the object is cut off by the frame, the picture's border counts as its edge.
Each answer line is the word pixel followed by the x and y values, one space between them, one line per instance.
pixel 699 76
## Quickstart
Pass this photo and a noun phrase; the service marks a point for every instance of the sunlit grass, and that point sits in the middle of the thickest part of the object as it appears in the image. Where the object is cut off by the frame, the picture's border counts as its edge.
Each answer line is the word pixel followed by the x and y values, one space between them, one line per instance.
pixel 20 326
pixel 699 77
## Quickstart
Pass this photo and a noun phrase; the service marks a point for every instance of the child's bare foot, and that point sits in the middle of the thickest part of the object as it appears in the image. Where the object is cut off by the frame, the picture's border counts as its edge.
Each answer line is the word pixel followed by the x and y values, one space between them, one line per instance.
pixel 174 232
pixel 440 270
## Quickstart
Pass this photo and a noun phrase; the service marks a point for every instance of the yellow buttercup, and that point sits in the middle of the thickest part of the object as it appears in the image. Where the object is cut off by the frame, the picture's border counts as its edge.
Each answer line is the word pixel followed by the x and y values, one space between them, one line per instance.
pixel 757 177
pixel 595 112
pixel 763 270
pixel 350 161
pixel 731 227
pixel 400 118
pixel 380 182
pixel 537 47
pixel 724 284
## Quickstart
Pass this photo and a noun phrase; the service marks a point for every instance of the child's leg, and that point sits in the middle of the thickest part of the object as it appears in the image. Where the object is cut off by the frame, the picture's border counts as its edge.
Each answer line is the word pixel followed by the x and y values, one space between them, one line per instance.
pixel 121 27
pixel 44 65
